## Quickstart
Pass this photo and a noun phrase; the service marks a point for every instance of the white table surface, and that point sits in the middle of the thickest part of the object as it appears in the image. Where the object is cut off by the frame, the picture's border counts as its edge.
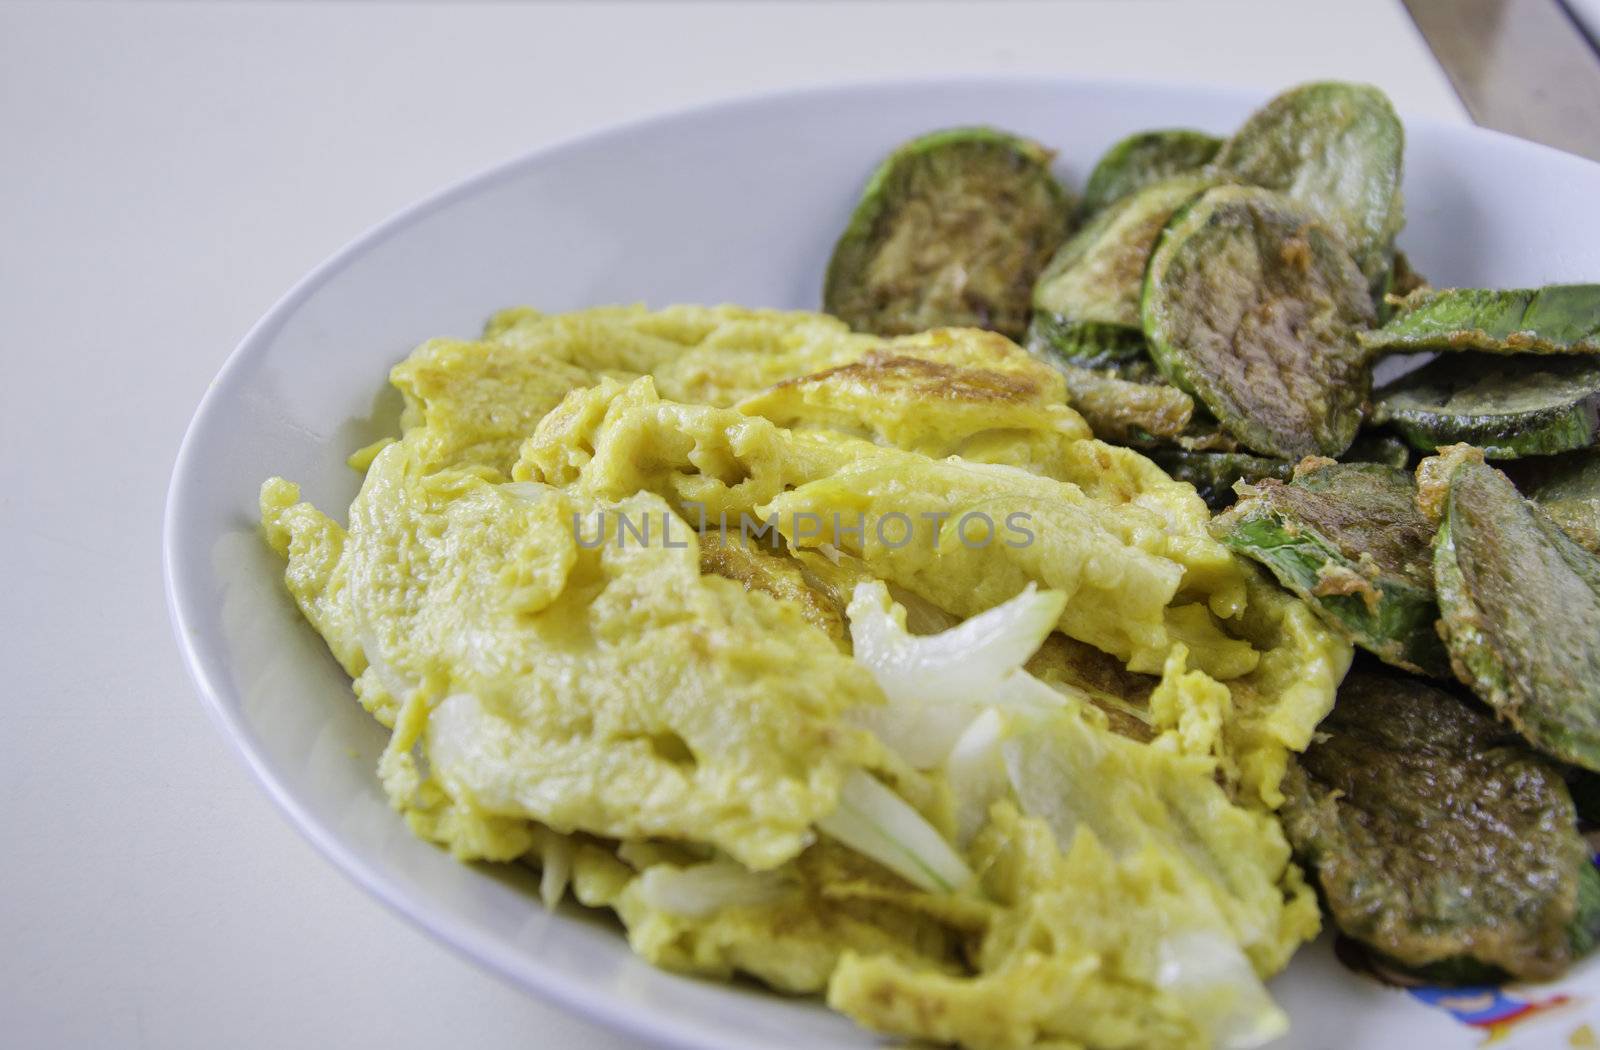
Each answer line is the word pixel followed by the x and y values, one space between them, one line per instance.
pixel 166 171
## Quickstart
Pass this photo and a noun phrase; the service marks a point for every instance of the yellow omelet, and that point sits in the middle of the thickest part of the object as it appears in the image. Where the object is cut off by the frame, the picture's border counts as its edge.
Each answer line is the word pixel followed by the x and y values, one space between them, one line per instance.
pixel 852 664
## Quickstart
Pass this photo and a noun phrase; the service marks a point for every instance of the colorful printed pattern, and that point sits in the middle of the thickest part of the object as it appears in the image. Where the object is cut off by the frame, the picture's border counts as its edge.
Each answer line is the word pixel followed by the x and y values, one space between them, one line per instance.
pixel 1494 1011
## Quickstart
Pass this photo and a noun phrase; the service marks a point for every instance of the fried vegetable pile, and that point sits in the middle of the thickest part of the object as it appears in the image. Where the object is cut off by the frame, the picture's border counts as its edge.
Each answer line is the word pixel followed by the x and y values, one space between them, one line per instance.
pixel 1211 308
pixel 1222 308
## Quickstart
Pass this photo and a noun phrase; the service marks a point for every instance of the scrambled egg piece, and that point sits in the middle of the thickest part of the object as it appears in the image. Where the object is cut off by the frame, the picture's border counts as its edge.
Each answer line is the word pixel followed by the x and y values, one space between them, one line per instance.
pixel 941 393
pixel 1121 564
pixel 1062 964
pixel 664 721
pixel 475 402
pixel 614 690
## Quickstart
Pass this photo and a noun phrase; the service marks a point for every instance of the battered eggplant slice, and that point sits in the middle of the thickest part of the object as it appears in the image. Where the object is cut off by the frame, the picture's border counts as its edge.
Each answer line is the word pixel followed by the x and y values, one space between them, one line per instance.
pixel 1143 158
pixel 1507 406
pixel 1252 304
pixel 1215 474
pixel 1519 601
pixel 951 231
pixel 1087 298
pixel 1558 319
pixel 1579 519
pixel 1438 838
pixel 1127 410
pixel 1348 540
pixel 1146 412
pixel 1337 149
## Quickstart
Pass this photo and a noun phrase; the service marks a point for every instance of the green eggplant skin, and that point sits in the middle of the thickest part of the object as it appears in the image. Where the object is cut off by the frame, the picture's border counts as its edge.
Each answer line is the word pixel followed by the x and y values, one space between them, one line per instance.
pixel 1438 838
pixel 1519 600
pixel 951 230
pixel 1348 540
pixel 1557 319
pixel 1142 158
pixel 1336 148
pixel 1251 304
pixel 1510 407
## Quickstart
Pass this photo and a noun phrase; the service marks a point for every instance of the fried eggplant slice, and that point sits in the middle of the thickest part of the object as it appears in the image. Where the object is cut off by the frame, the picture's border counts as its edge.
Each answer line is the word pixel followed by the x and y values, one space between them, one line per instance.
pixel 1214 474
pixel 1145 157
pixel 1146 412
pixel 1092 287
pixel 1557 319
pixel 1519 601
pixel 951 231
pixel 1579 519
pixel 1348 540
pixel 1508 406
pixel 1337 149
pixel 1127 411
pixel 1114 385
pixel 1252 304
pixel 1438 838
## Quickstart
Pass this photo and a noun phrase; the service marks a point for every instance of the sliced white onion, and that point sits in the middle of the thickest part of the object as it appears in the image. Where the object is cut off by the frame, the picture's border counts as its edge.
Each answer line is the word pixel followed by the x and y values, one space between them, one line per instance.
pixel 1214 980
pixel 877 823
pixel 701 890
pixel 555 872
pixel 936 684
pixel 976 773
pixel 528 491
pixel 961 665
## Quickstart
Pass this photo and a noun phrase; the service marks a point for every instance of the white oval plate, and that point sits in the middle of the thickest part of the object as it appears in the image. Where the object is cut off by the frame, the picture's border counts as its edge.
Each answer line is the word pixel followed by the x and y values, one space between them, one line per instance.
pixel 737 202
